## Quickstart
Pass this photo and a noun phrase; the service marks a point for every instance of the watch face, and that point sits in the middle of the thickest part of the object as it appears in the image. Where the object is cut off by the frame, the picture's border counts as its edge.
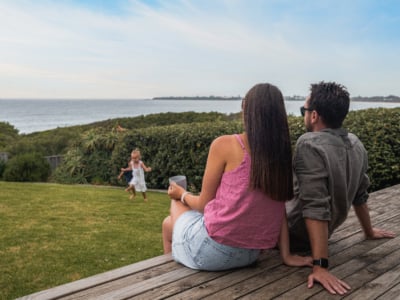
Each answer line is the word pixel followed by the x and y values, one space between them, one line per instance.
pixel 322 262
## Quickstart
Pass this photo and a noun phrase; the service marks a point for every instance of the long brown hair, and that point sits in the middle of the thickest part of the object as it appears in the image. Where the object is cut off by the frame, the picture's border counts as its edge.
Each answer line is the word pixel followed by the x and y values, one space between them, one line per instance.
pixel 267 130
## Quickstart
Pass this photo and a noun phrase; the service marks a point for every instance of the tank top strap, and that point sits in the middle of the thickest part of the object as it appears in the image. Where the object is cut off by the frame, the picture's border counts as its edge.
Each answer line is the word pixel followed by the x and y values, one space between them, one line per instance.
pixel 240 142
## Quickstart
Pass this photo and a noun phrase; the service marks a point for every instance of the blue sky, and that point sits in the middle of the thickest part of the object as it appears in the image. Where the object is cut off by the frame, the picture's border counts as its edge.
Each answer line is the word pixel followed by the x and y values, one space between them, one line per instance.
pixel 143 49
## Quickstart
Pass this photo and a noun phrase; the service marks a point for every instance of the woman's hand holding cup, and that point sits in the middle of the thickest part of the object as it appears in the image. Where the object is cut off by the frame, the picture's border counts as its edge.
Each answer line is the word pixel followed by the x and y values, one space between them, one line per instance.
pixel 175 191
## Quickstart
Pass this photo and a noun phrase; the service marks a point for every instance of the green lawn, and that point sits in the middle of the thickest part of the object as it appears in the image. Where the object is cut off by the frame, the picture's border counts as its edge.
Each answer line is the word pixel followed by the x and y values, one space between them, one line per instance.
pixel 52 234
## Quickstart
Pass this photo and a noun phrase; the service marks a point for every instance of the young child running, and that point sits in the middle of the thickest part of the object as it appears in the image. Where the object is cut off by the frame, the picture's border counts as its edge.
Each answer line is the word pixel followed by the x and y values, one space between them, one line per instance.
pixel 137 183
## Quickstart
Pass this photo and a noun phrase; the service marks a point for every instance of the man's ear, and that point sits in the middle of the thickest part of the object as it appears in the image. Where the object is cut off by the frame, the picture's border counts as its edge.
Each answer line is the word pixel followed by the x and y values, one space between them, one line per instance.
pixel 314 117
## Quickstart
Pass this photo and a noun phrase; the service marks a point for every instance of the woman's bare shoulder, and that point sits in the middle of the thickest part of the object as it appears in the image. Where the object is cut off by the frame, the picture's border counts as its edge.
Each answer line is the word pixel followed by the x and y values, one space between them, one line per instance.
pixel 225 145
pixel 224 140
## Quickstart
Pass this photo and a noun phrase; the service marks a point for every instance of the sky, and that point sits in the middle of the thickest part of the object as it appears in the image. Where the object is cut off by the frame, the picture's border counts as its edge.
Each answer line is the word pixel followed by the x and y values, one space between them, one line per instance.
pixel 132 49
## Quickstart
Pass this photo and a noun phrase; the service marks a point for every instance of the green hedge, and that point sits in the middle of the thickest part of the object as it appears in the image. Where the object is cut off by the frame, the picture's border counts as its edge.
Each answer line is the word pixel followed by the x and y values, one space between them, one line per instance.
pixel 379 130
pixel 8 135
pixel 60 140
pixel 183 148
pixel 27 167
pixel 172 150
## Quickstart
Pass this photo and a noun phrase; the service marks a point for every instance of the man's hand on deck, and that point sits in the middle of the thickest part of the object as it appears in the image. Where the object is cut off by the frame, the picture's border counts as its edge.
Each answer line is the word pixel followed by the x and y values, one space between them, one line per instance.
pixel 380 234
pixel 330 282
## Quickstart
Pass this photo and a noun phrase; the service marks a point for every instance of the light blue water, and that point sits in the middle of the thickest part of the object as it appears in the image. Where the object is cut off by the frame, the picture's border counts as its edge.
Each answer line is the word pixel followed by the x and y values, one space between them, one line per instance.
pixel 37 115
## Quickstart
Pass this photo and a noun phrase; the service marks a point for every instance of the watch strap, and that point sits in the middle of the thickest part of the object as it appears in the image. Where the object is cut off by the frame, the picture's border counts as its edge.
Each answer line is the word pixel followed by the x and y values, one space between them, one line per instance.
pixel 322 262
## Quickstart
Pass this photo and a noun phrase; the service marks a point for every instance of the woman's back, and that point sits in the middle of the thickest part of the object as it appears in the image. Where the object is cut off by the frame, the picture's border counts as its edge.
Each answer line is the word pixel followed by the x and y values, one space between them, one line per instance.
pixel 239 216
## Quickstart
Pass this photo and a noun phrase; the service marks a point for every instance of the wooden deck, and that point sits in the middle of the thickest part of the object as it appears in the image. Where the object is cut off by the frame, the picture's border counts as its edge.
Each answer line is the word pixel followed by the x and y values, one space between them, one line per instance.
pixel 371 267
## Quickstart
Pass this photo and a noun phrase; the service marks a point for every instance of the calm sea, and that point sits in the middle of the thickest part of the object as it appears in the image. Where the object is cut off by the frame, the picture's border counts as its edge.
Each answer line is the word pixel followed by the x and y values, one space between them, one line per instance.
pixel 38 115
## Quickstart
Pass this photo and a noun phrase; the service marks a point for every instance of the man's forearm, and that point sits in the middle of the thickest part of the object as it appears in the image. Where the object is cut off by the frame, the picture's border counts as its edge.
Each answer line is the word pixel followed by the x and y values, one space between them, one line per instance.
pixel 318 234
pixel 283 243
pixel 362 213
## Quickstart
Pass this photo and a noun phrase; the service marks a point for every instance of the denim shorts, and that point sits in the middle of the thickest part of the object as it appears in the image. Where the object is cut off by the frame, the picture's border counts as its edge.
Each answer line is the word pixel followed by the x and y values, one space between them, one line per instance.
pixel 193 247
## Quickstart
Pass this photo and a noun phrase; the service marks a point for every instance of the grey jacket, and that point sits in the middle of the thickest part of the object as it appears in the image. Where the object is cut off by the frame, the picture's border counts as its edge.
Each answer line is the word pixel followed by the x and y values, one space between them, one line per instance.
pixel 330 175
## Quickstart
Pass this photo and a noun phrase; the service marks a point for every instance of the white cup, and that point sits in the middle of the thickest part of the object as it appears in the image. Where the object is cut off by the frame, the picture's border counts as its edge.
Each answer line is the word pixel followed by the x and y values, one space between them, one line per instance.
pixel 179 180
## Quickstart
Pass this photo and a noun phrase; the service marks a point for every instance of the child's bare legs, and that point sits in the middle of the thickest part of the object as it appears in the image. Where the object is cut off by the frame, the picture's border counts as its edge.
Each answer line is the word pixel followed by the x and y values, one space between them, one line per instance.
pixel 144 196
pixel 131 189
pixel 176 210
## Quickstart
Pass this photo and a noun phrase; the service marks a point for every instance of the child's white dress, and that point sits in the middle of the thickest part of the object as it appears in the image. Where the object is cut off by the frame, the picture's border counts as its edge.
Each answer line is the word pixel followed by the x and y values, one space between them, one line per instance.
pixel 138 178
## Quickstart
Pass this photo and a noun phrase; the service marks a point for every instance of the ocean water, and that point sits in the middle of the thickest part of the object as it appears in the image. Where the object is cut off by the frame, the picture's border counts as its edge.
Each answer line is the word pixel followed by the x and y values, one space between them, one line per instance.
pixel 30 115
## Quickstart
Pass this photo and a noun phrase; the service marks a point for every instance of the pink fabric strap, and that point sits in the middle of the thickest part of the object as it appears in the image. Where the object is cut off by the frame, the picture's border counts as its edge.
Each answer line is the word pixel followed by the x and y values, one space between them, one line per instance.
pixel 240 141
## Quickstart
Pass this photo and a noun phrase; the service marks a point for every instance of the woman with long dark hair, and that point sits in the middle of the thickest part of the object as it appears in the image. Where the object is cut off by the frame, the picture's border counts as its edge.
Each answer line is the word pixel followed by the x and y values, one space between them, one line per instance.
pixel 241 207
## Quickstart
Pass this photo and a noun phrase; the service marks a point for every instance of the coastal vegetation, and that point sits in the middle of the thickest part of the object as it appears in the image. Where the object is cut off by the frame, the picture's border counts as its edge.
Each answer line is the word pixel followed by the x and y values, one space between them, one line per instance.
pixel 390 98
pixel 177 143
pixel 8 134
pixel 198 98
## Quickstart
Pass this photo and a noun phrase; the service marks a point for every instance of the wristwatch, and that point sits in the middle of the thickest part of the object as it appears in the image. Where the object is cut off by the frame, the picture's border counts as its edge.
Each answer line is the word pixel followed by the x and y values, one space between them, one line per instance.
pixel 322 262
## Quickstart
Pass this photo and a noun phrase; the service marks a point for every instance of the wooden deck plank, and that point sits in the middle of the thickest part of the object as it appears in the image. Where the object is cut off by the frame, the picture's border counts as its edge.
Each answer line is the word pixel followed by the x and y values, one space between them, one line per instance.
pixel 249 285
pixel 358 237
pixel 371 267
pixel 121 283
pixel 96 280
pixel 173 288
pixel 272 271
pixel 140 287
pixel 201 280
pixel 381 284
pixel 354 227
pixel 380 211
pixel 275 288
pixel 393 293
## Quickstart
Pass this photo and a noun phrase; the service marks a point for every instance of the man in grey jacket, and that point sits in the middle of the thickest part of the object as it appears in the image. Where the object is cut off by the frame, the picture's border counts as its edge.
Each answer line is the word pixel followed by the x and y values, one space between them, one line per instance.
pixel 330 168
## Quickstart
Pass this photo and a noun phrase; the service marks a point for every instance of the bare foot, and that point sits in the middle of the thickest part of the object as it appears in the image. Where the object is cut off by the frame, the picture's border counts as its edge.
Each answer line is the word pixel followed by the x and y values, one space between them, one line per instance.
pixel 132 197
pixel 145 199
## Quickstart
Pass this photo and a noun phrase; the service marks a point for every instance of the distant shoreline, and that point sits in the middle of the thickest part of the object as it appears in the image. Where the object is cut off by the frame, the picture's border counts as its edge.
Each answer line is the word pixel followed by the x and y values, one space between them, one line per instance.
pixel 379 99
pixel 198 98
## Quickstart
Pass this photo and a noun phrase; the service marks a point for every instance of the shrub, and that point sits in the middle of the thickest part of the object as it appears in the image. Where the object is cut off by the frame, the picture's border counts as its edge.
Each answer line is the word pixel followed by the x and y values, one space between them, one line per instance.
pixel 2 167
pixel 89 159
pixel 27 167
pixel 50 142
pixel 72 168
pixel 61 140
pixel 8 134
pixel 183 148
pixel 379 130
pixel 162 119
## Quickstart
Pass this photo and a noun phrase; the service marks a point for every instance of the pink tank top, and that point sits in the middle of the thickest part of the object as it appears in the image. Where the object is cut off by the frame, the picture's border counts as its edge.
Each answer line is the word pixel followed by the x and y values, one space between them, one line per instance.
pixel 239 217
